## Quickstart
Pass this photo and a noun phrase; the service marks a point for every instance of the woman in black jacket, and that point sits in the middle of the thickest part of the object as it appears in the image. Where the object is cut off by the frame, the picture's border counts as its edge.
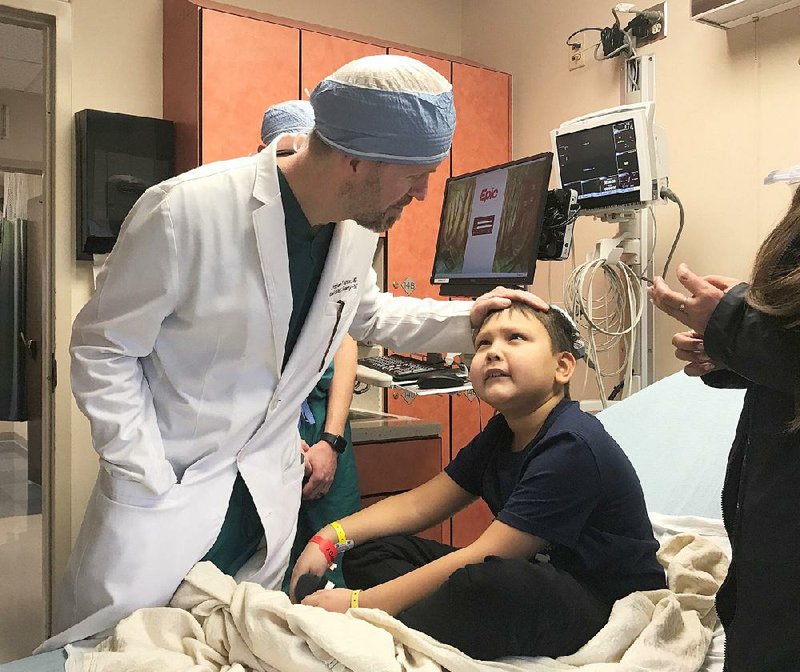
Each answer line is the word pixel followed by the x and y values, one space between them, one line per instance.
pixel 748 336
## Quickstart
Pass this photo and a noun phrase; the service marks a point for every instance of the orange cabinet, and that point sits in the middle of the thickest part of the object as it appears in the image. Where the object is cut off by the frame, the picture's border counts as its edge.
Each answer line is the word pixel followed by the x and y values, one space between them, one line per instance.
pixel 483 118
pixel 435 408
pixel 221 71
pixel 322 54
pixel 263 57
pixel 392 467
pixel 467 525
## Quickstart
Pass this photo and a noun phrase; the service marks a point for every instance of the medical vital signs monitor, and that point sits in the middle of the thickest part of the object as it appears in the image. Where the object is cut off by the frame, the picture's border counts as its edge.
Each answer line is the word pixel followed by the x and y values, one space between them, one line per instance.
pixel 490 227
pixel 615 159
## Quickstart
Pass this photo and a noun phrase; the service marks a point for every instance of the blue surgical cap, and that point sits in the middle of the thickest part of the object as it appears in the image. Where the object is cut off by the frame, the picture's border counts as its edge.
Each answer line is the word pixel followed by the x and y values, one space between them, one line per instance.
pixel 292 116
pixel 386 108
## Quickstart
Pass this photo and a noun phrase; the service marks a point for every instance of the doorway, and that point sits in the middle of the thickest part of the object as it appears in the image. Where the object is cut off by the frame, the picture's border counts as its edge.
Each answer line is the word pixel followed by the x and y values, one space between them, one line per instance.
pixel 26 328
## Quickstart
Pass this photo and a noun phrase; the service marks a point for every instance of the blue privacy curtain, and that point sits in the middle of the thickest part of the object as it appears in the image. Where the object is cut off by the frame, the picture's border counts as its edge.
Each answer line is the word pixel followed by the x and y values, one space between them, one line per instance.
pixel 13 405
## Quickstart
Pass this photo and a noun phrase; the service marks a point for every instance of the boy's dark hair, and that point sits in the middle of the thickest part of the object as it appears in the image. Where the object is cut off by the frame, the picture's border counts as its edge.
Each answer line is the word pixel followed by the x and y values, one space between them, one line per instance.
pixel 562 333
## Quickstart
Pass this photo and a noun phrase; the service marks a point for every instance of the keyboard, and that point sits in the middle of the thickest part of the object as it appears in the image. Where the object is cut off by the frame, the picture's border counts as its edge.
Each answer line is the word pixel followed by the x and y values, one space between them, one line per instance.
pixel 399 368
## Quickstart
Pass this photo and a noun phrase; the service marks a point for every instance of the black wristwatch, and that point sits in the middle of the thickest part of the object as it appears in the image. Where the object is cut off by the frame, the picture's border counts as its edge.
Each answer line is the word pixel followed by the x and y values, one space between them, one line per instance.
pixel 338 443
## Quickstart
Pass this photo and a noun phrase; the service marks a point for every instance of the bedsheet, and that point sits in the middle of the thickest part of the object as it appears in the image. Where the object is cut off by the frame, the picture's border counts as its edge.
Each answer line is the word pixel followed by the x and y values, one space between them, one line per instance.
pixel 216 624
pixel 665 527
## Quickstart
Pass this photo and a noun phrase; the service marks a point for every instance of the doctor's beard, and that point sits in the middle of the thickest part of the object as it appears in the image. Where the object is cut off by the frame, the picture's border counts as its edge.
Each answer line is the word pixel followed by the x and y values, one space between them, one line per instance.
pixel 378 222
pixel 364 212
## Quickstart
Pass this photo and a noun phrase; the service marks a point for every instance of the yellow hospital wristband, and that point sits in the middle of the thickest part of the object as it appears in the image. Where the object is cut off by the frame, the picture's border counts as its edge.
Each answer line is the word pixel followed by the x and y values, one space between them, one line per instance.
pixel 336 525
pixel 354 599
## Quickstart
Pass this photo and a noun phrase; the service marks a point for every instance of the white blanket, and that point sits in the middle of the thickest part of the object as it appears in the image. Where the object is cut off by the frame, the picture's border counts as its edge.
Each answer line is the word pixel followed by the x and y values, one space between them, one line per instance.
pixel 217 625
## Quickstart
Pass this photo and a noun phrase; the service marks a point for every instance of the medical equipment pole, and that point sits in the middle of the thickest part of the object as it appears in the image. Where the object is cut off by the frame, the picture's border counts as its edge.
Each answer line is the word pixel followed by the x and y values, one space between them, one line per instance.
pixel 638 86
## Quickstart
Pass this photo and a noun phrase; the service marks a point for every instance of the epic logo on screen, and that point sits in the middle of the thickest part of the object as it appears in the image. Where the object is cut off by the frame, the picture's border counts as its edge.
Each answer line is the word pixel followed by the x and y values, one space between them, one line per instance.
pixel 488 194
pixel 482 225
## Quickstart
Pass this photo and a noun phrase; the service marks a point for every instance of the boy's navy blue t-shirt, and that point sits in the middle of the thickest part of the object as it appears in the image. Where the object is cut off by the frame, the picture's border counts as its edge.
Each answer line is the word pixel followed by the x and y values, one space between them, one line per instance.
pixel 573 487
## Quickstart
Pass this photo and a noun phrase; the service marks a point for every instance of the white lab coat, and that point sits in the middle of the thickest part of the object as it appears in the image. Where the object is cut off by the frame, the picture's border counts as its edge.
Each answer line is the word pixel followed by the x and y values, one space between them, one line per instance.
pixel 176 361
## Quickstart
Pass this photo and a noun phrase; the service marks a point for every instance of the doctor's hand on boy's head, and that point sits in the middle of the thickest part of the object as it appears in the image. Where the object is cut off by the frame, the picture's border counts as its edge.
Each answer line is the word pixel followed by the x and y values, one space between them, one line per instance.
pixel 689 347
pixel 693 309
pixel 499 298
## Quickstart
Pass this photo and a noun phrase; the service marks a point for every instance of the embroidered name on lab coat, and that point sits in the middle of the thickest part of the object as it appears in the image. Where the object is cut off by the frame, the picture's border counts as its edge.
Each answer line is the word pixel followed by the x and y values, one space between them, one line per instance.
pixel 349 285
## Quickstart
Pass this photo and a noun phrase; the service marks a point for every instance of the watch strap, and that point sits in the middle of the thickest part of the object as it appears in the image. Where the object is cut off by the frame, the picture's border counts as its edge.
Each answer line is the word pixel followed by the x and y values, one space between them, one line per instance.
pixel 338 443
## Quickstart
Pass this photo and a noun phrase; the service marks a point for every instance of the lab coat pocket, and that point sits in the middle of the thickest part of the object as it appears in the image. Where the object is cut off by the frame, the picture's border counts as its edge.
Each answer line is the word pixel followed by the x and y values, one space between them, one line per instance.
pixel 293 463
pixel 132 493
pixel 294 474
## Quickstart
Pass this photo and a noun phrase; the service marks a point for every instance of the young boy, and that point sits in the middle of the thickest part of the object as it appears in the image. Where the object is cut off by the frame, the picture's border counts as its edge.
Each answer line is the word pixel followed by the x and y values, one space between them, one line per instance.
pixel 570 536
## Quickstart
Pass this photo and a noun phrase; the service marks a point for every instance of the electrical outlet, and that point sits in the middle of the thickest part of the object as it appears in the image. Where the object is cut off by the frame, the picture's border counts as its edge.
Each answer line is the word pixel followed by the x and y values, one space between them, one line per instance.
pixel 656 29
pixel 576 55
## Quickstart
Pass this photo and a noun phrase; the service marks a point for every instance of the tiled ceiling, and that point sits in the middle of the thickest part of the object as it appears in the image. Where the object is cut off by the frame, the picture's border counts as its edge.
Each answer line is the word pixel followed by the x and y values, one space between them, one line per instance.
pixel 21 52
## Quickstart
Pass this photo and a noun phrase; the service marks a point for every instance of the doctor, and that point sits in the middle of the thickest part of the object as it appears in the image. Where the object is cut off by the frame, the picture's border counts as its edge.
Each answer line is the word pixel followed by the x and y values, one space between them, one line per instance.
pixel 223 302
pixel 331 491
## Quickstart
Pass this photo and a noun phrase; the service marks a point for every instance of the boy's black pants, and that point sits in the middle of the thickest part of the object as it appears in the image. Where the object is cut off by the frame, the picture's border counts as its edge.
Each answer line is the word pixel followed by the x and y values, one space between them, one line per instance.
pixel 487 610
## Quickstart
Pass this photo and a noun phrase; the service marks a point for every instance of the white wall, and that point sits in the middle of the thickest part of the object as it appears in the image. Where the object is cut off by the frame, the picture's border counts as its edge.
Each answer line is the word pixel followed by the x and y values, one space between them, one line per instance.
pixel 728 101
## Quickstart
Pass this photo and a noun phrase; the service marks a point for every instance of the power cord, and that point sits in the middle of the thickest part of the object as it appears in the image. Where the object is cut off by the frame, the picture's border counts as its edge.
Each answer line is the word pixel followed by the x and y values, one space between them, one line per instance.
pixel 610 317
pixel 667 193
pixel 616 40
pixel 577 45
pixel 603 315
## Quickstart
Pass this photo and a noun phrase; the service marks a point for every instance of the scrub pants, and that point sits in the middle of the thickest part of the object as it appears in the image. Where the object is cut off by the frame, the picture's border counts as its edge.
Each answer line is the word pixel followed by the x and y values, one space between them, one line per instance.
pixel 241 531
pixel 488 610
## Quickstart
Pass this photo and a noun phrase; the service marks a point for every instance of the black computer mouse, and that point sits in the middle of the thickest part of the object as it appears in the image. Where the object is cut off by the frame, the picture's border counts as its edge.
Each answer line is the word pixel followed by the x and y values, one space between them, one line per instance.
pixel 434 380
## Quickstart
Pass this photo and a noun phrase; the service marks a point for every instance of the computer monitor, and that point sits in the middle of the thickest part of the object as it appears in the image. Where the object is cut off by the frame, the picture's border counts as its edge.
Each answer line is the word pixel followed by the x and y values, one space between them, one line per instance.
pixel 615 159
pixel 490 227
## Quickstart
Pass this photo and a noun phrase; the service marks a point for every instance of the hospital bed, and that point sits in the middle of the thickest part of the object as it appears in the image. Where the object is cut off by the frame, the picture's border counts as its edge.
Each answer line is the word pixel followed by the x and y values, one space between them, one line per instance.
pixel 677 433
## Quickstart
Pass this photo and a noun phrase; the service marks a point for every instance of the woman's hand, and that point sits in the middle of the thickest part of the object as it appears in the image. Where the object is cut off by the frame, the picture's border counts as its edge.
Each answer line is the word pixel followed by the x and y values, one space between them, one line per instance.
pixel 689 347
pixel 695 309
pixel 335 599
pixel 311 561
